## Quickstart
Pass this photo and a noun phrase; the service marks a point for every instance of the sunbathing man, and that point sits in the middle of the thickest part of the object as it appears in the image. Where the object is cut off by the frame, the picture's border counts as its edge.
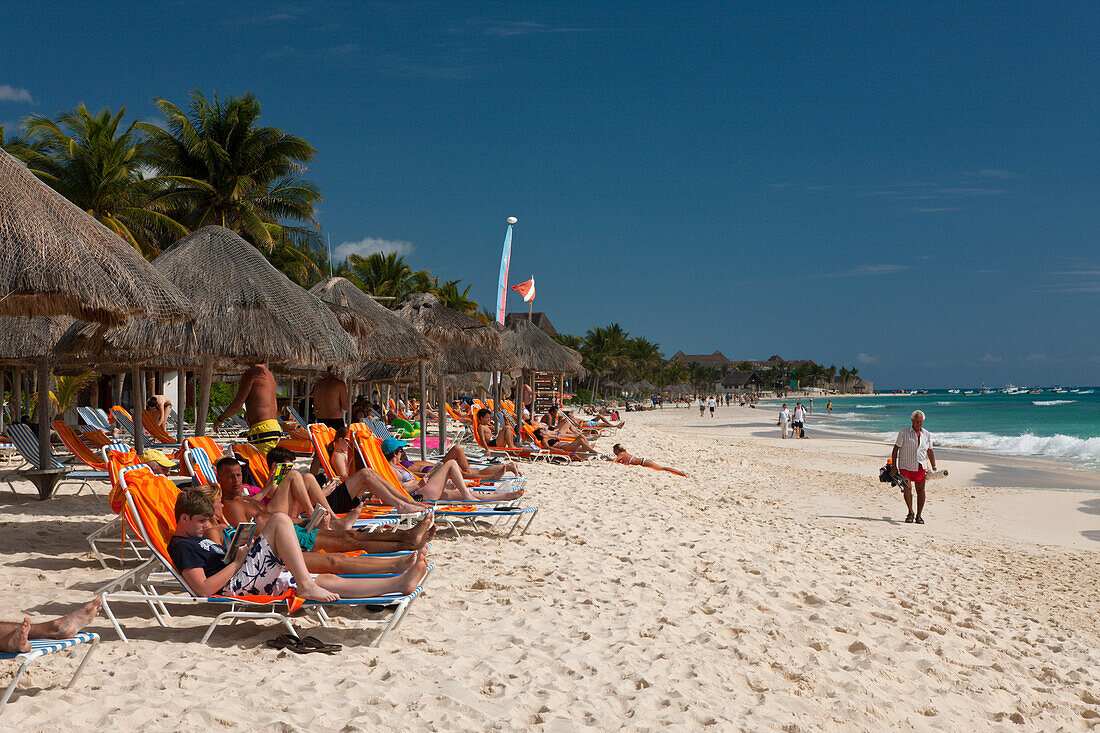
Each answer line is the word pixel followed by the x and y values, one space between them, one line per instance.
pixel 15 637
pixel 271 566
pixel 546 441
pixel 330 399
pixel 563 427
pixel 256 392
pixel 505 438
pixel 600 420
pixel 160 406
pixel 621 456
pixel 323 550
pixel 444 483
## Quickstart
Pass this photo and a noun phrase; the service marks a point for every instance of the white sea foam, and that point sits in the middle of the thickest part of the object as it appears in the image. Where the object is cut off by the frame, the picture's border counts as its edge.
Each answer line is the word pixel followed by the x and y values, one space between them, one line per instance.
pixel 1054 446
pixel 869 407
pixel 947 403
pixel 1048 403
pixel 849 415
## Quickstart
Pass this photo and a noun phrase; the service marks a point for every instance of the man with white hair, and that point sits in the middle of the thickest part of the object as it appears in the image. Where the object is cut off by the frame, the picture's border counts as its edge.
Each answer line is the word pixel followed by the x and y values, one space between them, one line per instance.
pixel 913 457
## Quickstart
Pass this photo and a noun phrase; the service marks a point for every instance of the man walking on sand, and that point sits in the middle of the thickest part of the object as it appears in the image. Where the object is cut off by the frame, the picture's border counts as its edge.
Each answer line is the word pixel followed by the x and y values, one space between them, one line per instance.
pixel 784 421
pixel 711 404
pixel 799 421
pixel 256 392
pixel 330 399
pixel 912 453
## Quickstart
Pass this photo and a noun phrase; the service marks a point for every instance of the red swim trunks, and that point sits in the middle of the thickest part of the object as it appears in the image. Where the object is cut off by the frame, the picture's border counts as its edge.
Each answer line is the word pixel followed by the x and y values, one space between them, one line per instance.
pixel 917 475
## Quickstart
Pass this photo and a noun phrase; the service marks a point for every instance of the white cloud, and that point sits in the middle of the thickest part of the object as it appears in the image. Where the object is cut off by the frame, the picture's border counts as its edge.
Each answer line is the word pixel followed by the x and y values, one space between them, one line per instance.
pixel 991 359
pixel 866 358
pixel 868 270
pixel 369 246
pixel 8 93
pixel 1036 357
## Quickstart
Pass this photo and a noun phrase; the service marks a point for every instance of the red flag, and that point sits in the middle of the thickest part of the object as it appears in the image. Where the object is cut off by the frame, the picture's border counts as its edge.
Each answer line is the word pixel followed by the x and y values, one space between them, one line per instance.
pixel 527 290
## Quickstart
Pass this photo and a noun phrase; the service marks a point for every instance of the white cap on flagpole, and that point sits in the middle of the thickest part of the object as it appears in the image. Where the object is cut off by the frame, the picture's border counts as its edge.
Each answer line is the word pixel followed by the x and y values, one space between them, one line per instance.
pixel 512 220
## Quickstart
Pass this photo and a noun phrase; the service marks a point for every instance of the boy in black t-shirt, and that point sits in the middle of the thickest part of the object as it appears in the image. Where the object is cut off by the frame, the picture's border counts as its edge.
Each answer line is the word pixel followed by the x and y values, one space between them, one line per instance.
pixel 270 566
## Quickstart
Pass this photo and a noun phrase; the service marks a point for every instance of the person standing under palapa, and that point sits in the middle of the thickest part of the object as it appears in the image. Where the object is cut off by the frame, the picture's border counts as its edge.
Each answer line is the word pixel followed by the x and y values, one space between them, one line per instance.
pixel 330 399
pixel 911 456
pixel 256 392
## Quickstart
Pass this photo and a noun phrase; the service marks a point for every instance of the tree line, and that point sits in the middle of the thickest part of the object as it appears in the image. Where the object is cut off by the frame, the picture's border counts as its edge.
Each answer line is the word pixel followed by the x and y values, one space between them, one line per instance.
pixel 611 354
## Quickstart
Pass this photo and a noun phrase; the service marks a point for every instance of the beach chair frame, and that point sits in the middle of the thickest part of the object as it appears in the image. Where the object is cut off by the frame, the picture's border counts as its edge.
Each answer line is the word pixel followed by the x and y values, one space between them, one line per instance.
pixel 158 571
pixel 42 647
pixel 25 441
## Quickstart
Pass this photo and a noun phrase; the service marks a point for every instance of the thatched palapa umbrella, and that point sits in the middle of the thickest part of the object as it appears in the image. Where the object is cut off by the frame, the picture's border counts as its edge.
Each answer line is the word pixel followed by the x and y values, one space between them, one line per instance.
pixel 535 351
pixel 467 346
pixel 57 260
pixel 394 339
pixel 244 309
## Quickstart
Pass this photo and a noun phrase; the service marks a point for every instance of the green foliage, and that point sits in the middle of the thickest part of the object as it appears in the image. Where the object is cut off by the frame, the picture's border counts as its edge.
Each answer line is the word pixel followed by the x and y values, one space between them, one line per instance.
pixel 99 166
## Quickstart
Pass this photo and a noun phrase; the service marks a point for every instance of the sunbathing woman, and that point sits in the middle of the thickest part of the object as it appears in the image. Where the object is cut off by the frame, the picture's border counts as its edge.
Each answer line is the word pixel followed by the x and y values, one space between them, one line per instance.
pixel 458 455
pixel 546 441
pixel 621 456
pixel 506 438
pixel 444 483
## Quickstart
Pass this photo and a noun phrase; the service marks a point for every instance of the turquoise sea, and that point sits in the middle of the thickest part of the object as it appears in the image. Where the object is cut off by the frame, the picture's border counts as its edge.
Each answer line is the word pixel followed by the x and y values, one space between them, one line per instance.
pixel 1058 425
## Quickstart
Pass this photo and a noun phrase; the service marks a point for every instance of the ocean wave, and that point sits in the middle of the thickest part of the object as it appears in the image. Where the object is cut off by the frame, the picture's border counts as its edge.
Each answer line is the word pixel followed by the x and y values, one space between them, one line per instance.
pixel 1053 446
pixel 869 407
pixel 849 415
pixel 947 403
pixel 1048 403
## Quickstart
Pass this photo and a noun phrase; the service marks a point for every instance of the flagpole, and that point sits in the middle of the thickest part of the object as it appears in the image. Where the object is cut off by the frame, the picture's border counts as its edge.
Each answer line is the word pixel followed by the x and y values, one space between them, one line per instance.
pixel 502 297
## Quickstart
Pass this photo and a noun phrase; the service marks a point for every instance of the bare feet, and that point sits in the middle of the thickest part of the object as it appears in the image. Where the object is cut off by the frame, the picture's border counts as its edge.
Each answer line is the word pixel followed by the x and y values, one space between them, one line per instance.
pixel 68 626
pixel 416 573
pixel 419 535
pixel 511 466
pixel 509 495
pixel 314 592
pixel 346 522
pixel 18 641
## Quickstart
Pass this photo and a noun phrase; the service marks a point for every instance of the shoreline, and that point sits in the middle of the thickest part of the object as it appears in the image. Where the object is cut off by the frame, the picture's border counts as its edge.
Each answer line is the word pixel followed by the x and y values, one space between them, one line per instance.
pixel 1000 470
pixel 1033 500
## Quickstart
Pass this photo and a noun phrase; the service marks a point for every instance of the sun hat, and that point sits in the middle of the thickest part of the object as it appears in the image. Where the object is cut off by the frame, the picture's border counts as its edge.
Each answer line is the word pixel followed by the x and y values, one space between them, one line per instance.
pixel 391 446
pixel 152 455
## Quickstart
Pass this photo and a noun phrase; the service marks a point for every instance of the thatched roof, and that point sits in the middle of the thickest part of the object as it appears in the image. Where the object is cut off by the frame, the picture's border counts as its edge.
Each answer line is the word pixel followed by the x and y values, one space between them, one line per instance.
pixel 55 259
pixel 535 350
pixel 393 339
pixel 25 340
pixel 645 386
pixel 245 310
pixel 468 345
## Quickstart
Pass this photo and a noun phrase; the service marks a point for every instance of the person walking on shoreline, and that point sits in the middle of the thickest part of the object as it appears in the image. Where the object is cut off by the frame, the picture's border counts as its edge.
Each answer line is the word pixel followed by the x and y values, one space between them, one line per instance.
pixel 911 455
pixel 702 405
pixel 784 421
pixel 712 403
pixel 799 421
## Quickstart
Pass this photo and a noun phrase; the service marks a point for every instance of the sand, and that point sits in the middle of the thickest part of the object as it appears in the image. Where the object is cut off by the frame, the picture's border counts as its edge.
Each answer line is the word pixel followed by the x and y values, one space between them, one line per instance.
pixel 775 589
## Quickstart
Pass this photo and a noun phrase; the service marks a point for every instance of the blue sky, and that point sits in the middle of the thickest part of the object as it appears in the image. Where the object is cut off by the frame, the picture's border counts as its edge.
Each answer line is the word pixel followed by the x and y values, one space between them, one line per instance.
pixel 909 188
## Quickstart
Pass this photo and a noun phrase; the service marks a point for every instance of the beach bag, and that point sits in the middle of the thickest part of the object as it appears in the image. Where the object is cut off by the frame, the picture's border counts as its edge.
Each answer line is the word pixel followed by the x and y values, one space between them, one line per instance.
pixel 885 475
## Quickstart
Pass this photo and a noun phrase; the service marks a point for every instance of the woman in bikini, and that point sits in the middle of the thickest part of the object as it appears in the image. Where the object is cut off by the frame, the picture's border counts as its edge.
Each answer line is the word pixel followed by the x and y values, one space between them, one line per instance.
pixel 621 456
pixel 444 483
pixel 547 441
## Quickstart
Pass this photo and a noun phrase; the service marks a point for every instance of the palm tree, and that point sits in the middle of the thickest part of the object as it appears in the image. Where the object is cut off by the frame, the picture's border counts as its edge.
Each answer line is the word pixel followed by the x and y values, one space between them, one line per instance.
pixel 603 352
pixel 224 169
pixel 89 160
pixel 644 356
pixel 450 297
pixel 380 275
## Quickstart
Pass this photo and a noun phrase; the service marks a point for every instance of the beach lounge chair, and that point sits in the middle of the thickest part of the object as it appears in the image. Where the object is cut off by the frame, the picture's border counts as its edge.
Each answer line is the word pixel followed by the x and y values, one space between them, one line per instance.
pixel 42 647
pixel 149 514
pixel 149 422
pixel 322 435
pixel 256 462
pixel 118 458
pixel 451 513
pixel 122 416
pixel 80 450
pixel 26 442
pixel 199 467
pixel 203 443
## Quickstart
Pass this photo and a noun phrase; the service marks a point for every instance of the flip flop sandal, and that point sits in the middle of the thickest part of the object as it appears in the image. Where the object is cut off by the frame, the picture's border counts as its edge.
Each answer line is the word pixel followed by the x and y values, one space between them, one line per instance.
pixel 918 520
pixel 909 518
pixel 313 644
pixel 282 642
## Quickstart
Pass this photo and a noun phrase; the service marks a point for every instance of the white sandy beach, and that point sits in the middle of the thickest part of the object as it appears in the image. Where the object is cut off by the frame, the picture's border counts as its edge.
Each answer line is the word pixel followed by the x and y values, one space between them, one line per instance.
pixel 775 589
